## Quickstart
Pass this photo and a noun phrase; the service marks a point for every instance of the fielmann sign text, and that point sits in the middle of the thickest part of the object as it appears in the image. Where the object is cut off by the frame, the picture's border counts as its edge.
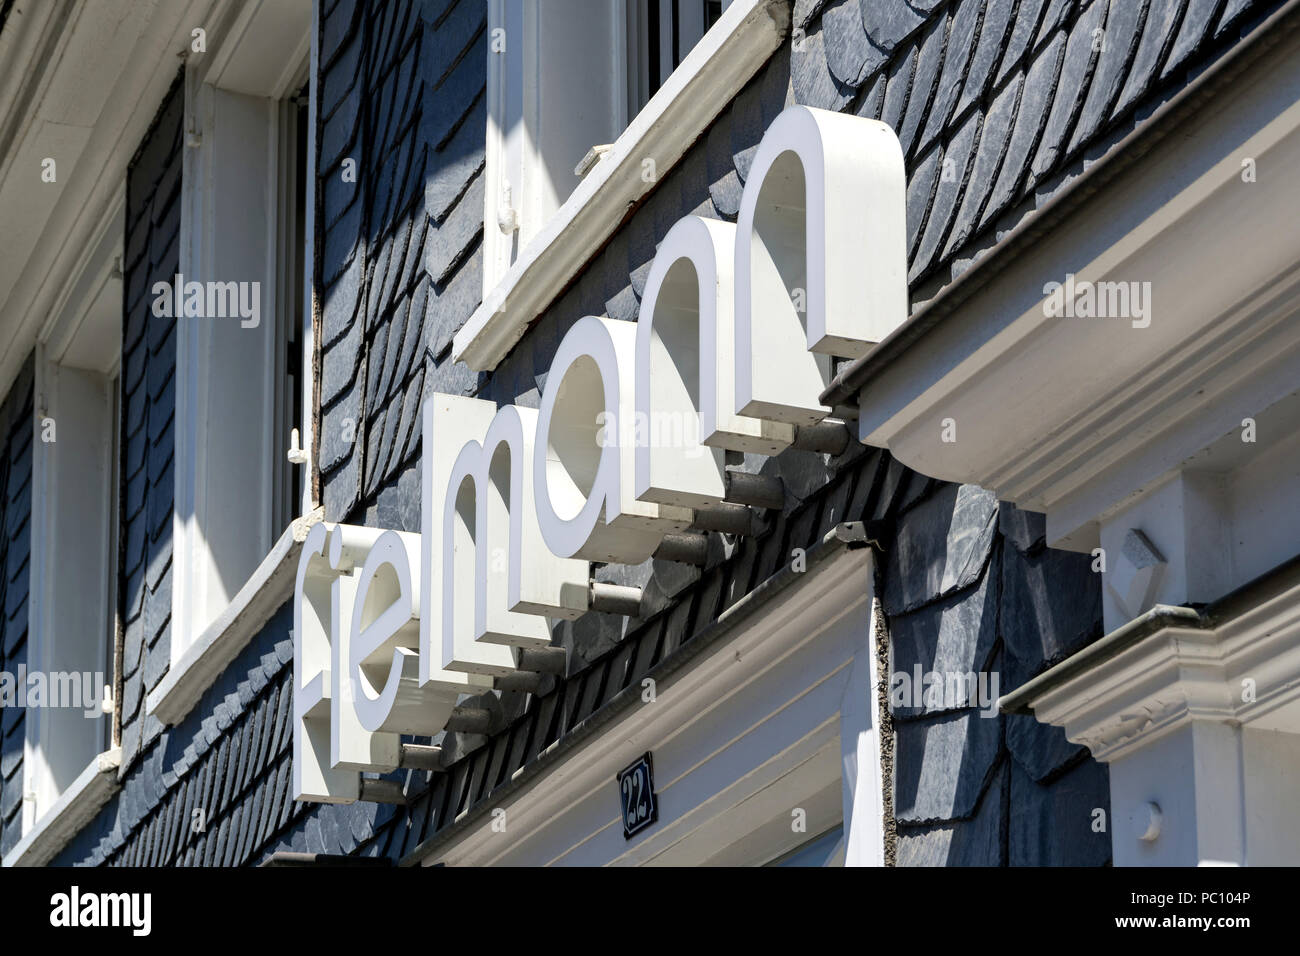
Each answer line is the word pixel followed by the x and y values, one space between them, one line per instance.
pixel 737 329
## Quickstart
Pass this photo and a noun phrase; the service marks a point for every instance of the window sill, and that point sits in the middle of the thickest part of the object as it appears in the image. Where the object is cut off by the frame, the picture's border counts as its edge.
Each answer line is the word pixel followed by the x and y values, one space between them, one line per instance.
pixel 73 810
pixel 211 653
pixel 731 52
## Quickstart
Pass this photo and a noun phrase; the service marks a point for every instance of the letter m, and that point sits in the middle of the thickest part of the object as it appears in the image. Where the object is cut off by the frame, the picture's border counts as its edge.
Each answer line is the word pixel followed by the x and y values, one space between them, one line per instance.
pixel 115 909
pixel 223 300
pixel 490 580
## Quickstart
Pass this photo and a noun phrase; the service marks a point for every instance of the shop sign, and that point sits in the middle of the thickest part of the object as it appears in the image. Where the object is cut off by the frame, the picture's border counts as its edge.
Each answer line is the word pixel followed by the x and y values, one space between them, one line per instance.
pixel 737 331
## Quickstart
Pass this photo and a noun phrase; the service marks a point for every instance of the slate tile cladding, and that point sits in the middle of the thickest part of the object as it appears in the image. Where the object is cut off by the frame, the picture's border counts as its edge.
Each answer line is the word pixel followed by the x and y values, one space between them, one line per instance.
pixel 213 790
pixel 970 587
pixel 998 103
pixel 17 432
pixel 402 97
pixel 148 403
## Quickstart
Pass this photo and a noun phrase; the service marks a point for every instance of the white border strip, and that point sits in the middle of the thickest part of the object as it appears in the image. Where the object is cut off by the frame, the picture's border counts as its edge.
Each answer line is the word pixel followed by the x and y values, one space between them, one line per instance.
pixel 705 83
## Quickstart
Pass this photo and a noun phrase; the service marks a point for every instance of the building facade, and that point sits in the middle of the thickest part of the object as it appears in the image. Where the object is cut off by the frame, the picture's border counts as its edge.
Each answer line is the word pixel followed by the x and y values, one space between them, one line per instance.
pixel 628 432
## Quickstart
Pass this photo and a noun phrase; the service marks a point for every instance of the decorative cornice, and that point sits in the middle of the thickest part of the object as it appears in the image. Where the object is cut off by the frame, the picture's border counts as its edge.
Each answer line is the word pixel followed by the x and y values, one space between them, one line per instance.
pixel 1237 661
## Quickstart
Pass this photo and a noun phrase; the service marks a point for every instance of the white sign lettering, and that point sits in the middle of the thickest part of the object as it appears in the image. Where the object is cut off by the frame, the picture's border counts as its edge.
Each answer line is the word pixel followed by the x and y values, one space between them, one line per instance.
pixel 732 350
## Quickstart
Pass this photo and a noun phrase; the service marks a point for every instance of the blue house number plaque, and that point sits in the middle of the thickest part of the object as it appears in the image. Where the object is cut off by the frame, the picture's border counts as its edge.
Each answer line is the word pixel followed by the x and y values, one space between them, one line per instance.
pixel 636 789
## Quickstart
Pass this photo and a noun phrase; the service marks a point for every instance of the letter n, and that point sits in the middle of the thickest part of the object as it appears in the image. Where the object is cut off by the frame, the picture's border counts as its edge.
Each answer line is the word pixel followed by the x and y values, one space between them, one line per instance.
pixel 823 209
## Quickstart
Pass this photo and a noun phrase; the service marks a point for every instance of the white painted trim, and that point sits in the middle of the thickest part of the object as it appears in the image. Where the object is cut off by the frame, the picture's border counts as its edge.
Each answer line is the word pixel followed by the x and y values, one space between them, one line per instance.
pixel 72 548
pixel 789 636
pixel 1184 673
pixel 100 264
pixel 73 514
pixel 232 116
pixel 308 332
pixel 75 808
pixel 133 65
pixel 269 587
pixel 705 83
pixel 1199 722
pixel 250 55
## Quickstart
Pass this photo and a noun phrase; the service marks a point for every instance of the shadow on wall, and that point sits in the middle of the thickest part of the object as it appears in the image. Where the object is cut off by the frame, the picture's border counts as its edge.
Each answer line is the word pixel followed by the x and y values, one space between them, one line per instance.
pixel 977 604
pixel 148 402
pixel 402 115
pixel 16 436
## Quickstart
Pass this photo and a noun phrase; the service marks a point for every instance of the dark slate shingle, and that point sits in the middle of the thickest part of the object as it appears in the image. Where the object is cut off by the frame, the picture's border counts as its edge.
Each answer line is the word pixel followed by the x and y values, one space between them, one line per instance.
pixel 850 56
pixel 924 81
pixel 1118 45
pixel 1081 54
pixel 962 33
pixel 1030 119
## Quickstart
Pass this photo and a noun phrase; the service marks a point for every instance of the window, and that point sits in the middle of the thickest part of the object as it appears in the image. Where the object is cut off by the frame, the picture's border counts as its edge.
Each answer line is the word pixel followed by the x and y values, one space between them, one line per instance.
pixel 547 122
pixel 659 34
pixel 292 311
pixel 73 603
pixel 242 361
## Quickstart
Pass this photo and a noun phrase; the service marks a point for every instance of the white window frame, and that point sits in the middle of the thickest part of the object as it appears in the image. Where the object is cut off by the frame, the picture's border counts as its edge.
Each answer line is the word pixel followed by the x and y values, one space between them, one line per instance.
pixel 538 103
pixel 238 112
pixel 74 523
pixel 550 255
pixel 546 117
